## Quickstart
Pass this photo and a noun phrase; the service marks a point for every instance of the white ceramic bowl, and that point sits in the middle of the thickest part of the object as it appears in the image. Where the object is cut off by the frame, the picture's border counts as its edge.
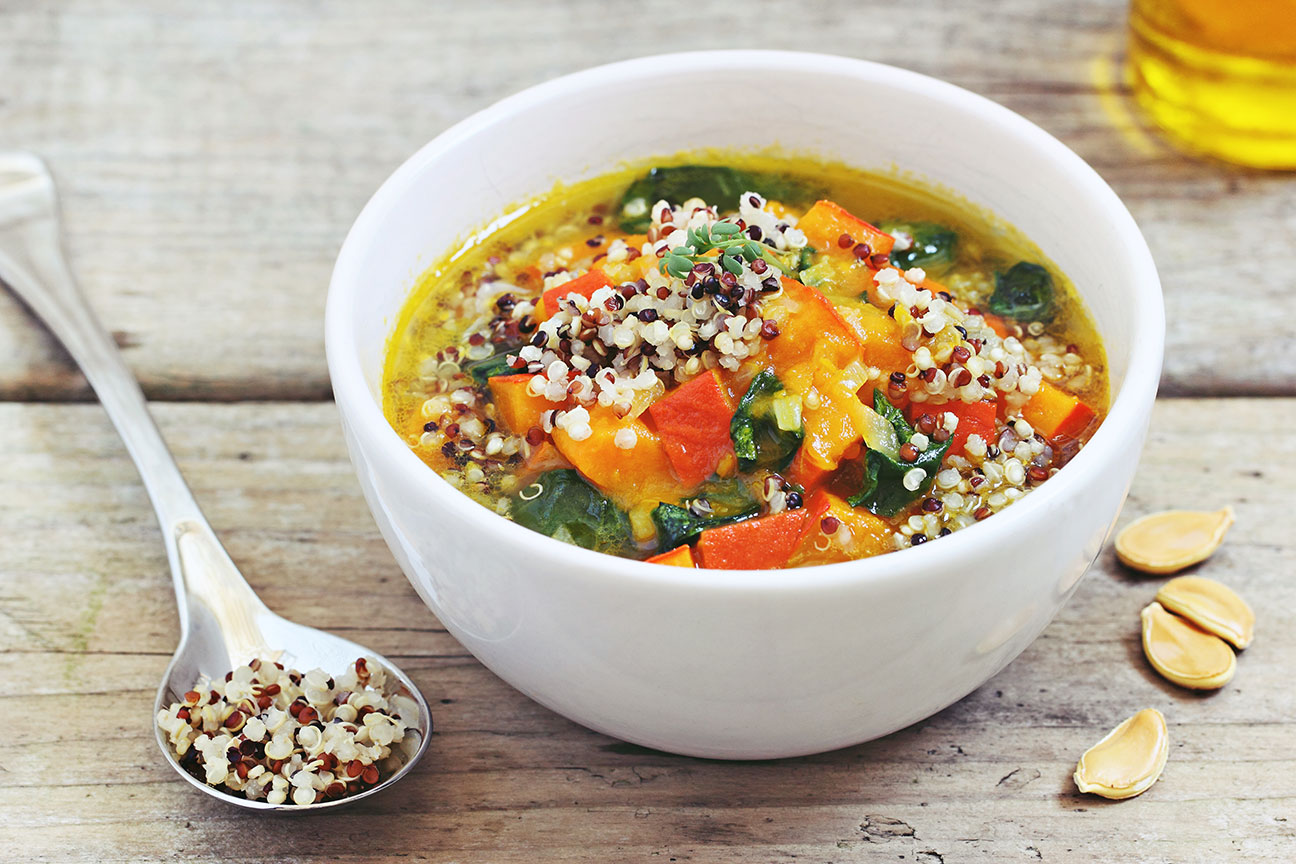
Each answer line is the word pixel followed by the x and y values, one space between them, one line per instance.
pixel 744 664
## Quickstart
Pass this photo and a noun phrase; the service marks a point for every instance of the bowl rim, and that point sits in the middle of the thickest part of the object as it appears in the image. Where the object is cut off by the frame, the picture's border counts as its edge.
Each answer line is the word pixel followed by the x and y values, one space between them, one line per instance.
pixel 1124 421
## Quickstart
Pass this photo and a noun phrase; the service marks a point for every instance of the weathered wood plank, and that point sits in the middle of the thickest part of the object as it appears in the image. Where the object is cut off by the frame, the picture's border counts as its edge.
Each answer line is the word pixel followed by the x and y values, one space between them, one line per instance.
pixel 87 623
pixel 212 158
pixel 869 830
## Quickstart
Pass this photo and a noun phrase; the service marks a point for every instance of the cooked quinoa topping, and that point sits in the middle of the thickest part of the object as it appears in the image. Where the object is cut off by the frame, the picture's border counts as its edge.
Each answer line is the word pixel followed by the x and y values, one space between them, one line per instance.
pixel 622 346
pixel 274 734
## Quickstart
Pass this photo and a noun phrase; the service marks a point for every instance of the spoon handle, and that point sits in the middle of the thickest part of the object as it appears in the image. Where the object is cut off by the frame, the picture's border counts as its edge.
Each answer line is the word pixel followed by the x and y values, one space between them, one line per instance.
pixel 32 264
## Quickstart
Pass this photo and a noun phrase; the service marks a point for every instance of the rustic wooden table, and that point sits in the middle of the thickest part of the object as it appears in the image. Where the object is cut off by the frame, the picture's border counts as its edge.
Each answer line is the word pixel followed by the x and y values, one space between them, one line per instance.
pixel 211 159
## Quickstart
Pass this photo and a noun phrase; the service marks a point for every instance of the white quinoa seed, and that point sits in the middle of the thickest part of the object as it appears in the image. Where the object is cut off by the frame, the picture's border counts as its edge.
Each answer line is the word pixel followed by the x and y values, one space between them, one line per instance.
pixel 626 438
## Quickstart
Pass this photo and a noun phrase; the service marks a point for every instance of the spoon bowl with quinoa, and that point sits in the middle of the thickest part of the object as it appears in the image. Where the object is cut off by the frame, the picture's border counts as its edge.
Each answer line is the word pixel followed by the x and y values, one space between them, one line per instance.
pixel 230 716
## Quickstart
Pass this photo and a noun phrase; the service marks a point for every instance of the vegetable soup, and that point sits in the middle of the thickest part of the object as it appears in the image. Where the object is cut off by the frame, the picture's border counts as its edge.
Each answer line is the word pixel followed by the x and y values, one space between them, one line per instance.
pixel 755 362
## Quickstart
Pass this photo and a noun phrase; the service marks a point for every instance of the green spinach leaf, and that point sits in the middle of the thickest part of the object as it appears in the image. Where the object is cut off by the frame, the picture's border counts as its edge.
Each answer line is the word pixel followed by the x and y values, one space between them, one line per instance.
pixel 562 504
pixel 716 184
pixel 723 502
pixel 489 367
pixel 883 492
pixel 758 441
pixel 726 497
pixel 934 248
pixel 679 525
pixel 805 258
pixel 1024 292
pixel 823 271
pixel 892 415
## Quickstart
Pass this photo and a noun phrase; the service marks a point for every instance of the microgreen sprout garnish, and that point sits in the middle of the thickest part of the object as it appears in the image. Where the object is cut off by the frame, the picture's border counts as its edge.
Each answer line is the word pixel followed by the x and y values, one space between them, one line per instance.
pixel 725 238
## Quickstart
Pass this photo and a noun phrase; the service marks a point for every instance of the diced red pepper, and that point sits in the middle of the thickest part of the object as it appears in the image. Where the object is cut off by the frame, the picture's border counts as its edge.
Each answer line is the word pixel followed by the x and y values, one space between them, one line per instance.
pixel 766 543
pixel 680 556
pixel 693 422
pixel 973 418
pixel 584 285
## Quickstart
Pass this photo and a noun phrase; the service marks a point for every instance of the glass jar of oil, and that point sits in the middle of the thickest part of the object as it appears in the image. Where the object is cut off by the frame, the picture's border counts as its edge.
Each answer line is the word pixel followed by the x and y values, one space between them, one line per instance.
pixel 1219 76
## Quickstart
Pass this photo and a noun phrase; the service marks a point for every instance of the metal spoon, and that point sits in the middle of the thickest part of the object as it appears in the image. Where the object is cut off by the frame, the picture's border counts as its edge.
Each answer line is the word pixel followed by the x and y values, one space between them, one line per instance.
pixel 223 624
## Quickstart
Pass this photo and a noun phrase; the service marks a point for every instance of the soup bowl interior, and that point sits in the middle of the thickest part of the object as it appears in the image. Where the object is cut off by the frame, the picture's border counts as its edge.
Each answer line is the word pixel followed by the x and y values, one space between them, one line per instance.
pixel 744 664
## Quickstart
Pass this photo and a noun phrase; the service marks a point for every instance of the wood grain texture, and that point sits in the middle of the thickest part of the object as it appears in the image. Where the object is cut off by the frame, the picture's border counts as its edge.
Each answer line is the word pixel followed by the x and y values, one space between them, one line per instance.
pixel 212 157
pixel 87 623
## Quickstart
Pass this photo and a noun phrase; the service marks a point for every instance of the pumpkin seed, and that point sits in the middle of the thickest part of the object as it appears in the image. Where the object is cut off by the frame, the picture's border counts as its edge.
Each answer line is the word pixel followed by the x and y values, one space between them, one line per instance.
pixel 1211 606
pixel 1129 760
pixel 1183 652
pixel 1172 540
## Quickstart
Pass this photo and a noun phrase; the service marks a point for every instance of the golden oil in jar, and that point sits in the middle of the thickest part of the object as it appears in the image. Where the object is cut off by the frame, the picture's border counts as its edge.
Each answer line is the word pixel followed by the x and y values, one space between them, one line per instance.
pixel 1219 76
